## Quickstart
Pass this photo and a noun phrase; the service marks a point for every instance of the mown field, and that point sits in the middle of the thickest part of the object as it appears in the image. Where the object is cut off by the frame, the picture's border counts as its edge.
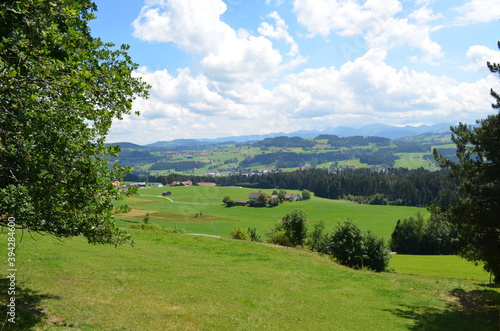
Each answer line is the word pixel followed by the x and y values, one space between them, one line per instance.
pixel 179 281
pixel 200 210
pixel 185 282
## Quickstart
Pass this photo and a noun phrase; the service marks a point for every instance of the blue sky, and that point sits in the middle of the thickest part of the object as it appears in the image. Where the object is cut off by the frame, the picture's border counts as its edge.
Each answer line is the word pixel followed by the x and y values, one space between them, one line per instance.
pixel 223 68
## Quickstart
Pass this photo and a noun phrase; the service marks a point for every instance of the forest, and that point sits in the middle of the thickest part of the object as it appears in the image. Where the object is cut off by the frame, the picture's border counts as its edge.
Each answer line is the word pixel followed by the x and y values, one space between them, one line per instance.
pixel 401 187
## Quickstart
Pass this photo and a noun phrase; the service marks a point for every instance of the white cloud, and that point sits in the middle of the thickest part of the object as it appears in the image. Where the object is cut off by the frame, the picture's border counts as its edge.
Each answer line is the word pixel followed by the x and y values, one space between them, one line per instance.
pixel 478 11
pixel 225 54
pixel 423 15
pixel 479 56
pixel 373 91
pixel 279 32
pixel 375 20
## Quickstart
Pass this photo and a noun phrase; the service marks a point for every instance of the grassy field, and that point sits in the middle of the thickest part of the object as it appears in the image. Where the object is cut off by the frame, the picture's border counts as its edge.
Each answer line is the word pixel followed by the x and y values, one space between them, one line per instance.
pixel 200 210
pixel 184 282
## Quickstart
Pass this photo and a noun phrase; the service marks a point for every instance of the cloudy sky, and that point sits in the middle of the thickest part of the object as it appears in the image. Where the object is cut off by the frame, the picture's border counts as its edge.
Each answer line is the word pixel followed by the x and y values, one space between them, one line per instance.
pixel 234 67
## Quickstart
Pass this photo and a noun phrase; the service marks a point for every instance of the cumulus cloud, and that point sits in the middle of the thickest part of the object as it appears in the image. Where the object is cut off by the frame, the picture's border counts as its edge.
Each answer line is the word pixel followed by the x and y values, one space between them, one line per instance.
pixel 225 54
pixel 373 91
pixel 375 20
pixel 479 56
pixel 280 32
pixel 478 11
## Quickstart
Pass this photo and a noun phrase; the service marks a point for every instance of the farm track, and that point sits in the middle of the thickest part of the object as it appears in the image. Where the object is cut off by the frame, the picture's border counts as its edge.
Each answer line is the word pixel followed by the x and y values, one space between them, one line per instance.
pixel 181 203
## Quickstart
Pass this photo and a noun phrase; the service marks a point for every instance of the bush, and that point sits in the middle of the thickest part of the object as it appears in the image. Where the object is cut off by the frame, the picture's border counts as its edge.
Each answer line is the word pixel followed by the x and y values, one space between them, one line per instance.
pixel 377 253
pixel 318 239
pixel 238 233
pixel 347 244
pixel 355 249
pixel 253 235
pixel 295 226
pixel 278 236
pixel 414 235
pixel 306 195
pixel 228 201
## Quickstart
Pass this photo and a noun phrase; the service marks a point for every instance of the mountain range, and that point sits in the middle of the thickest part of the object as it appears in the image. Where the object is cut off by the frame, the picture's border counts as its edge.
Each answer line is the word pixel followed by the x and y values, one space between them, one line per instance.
pixel 375 130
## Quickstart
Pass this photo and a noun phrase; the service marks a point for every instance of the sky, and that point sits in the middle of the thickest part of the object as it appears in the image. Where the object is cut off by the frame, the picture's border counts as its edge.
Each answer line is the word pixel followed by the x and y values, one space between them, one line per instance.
pixel 237 67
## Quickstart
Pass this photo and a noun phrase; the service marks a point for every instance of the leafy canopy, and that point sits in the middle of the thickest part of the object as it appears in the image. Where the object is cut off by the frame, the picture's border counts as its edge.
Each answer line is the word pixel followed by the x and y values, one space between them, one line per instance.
pixel 61 89
pixel 477 212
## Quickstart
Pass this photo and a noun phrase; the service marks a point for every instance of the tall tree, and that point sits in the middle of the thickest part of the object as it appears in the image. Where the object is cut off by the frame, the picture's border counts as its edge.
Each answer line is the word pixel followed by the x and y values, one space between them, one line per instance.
pixel 60 90
pixel 477 212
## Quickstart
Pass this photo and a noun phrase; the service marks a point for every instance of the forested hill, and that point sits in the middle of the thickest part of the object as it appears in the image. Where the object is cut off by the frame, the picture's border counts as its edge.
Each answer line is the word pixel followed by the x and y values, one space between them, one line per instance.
pixel 284 153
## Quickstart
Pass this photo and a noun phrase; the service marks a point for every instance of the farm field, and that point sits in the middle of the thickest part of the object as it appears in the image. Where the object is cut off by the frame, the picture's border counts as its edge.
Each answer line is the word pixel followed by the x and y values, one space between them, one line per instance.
pixel 200 210
pixel 184 282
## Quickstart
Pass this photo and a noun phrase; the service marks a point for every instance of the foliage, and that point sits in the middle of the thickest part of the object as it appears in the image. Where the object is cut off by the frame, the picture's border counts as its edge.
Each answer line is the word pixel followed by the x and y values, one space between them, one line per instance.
pixel 295 226
pixel 228 201
pixel 61 89
pixel 347 244
pixel 239 233
pixel 261 201
pixel 377 254
pixel 355 249
pixel 252 233
pixel 477 212
pixel 415 235
pixel 306 195
pixel 146 219
pixel 318 239
pixel 273 202
pixel 291 230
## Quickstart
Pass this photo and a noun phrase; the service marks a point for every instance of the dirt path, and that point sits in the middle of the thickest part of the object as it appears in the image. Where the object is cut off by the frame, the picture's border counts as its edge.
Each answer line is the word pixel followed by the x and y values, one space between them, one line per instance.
pixel 182 203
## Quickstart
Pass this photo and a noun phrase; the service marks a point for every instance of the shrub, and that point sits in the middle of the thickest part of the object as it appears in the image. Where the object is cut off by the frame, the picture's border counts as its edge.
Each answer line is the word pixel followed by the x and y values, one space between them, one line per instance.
pixel 252 233
pixel 238 233
pixel 278 236
pixel 295 226
pixel 228 201
pixel 414 235
pixel 347 244
pixel 377 253
pixel 306 195
pixel 318 239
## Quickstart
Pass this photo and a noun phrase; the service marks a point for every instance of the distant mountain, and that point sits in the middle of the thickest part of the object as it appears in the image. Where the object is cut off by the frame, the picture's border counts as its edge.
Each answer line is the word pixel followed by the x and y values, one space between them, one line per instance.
pixel 375 130
pixel 387 131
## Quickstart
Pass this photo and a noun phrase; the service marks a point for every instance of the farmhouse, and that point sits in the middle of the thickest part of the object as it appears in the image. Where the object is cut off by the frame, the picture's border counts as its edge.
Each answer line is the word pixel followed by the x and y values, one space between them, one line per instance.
pixel 292 197
pixel 138 184
pixel 240 202
pixel 186 183
pixel 156 185
pixel 254 195
pixel 164 193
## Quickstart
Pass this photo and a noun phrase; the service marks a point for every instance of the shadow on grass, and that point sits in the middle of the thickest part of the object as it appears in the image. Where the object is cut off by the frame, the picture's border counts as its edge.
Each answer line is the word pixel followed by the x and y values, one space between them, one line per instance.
pixel 467 310
pixel 28 309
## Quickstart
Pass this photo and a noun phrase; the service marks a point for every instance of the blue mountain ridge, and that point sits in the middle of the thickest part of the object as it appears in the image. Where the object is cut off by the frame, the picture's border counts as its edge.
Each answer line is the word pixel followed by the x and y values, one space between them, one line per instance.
pixel 378 130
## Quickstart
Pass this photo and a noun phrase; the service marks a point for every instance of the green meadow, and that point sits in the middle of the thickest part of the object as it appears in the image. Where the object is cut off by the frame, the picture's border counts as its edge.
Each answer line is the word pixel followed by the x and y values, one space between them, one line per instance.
pixel 185 282
pixel 181 281
pixel 200 210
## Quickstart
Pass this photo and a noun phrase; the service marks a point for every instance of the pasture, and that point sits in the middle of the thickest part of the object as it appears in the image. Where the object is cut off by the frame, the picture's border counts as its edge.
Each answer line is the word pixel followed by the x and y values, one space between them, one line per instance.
pixel 185 282
pixel 200 210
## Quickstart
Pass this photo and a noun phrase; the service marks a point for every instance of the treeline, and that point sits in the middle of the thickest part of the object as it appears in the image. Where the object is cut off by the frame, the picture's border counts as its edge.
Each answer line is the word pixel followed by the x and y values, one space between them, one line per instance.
pixel 336 141
pixel 395 186
pixel 285 142
pixel 295 160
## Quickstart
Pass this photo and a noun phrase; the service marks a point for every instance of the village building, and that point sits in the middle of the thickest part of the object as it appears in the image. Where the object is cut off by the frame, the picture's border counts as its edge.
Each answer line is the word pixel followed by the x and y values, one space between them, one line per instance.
pixel 138 184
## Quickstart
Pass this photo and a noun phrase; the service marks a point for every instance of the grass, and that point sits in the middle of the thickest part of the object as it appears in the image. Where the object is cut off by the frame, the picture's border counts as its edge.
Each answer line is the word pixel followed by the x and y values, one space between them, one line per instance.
pixel 182 282
pixel 445 266
pixel 200 210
